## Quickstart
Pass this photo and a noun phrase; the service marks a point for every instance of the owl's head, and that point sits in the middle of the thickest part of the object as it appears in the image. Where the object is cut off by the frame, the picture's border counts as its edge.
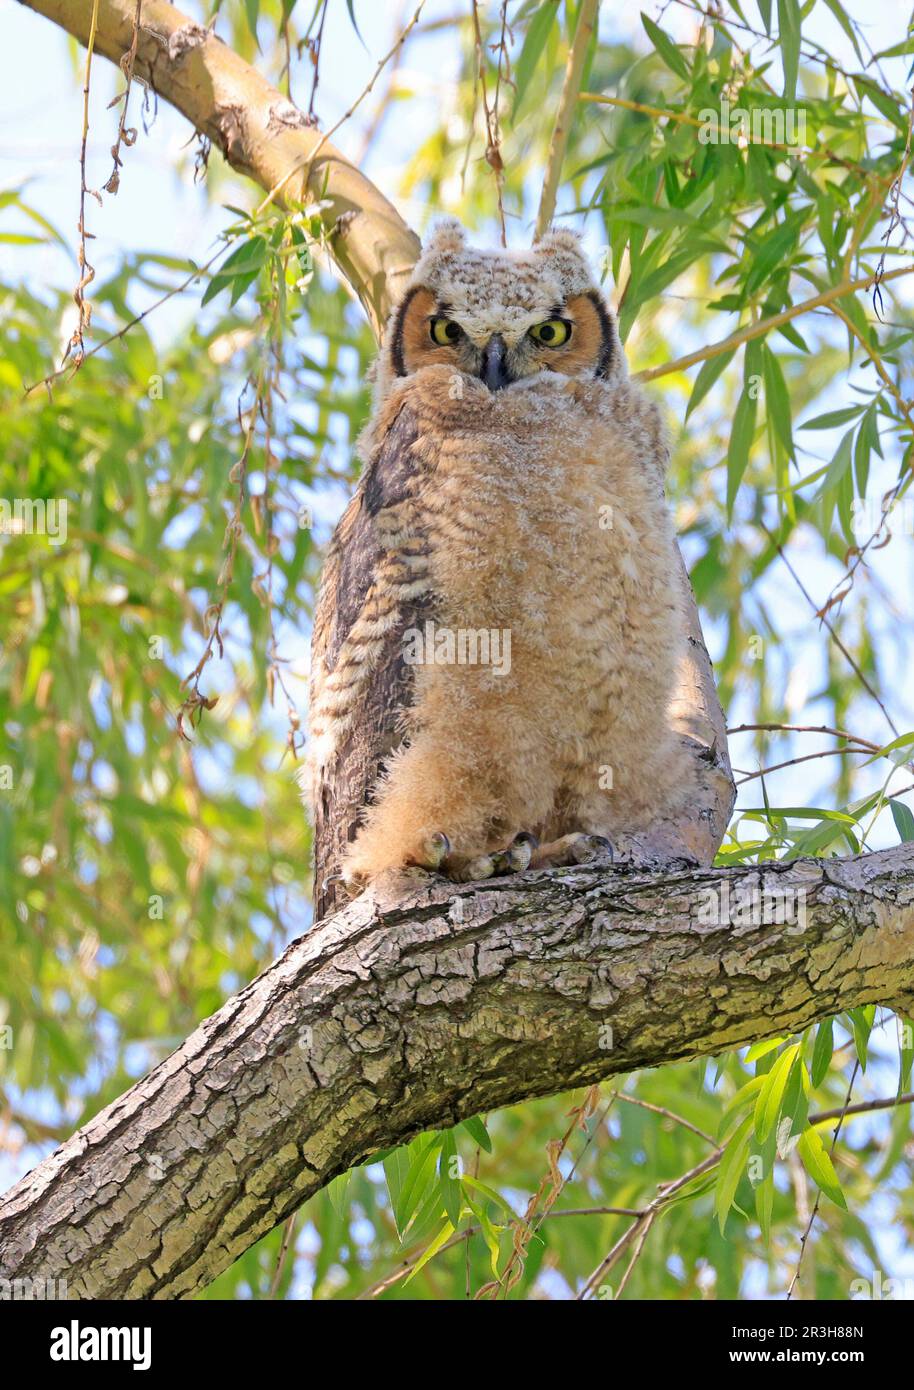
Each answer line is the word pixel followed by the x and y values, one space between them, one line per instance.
pixel 501 316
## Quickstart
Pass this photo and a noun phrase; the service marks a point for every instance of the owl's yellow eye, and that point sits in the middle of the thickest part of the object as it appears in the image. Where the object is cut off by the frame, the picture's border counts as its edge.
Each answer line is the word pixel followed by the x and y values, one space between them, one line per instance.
pixel 552 333
pixel 445 332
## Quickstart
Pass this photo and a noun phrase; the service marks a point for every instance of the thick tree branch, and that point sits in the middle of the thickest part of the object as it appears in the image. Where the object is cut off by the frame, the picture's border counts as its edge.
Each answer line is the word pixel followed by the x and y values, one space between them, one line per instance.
pixel 396 1016
pixel 260 132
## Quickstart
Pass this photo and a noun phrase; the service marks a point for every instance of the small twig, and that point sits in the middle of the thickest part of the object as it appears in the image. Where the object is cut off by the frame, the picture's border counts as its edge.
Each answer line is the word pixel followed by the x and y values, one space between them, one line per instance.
pixel 636 1253
pixel 854 665
pixel 766 325
pixel 666 1192
pixel 574 71
pixel 667 1114
pixel 812 1215
pixel 862 1107
pixel 493 131
pixel 288 1233
pixel 383 105
pixel 125 134
pixel 895 217
pixel 793 762
pixel 47 381
pixel 314 49
pixel 803 729
pixel 76 346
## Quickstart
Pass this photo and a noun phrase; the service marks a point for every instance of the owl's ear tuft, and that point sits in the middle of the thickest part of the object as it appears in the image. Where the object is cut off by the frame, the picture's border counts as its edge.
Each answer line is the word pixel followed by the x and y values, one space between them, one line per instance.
pixel 562 252
pixel 447 235
pixel 561 239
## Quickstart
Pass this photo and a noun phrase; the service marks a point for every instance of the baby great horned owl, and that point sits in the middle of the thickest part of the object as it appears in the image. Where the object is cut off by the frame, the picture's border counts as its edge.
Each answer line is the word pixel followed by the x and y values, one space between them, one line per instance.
pixel 497 631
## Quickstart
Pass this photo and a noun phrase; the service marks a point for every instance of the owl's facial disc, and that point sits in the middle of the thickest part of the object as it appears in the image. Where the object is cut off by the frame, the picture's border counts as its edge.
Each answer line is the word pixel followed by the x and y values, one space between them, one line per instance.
pixel 502 345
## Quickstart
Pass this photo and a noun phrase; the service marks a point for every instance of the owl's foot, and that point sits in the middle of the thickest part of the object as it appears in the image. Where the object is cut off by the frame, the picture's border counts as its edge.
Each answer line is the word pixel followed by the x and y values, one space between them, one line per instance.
pixel 432 852
pixel 579 848
pixel 516 857
pixel 426 858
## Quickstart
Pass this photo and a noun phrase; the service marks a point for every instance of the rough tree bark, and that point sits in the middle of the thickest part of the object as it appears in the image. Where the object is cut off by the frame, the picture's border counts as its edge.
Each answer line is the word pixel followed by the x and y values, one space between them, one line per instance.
pixel 396 1016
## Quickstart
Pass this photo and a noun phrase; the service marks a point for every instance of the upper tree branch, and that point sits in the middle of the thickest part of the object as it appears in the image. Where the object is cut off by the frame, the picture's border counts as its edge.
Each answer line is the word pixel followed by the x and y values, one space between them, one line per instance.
pixel 394 1017
pixel 259 131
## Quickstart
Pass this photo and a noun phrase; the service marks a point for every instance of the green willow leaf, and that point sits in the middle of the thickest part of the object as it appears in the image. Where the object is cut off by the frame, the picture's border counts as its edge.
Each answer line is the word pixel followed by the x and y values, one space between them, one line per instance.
pixel 777 399
pixel 710 372
pixel 667 49
pixel 538 32
pixel 904 821
pixel 741 438
pixel 769 1103
pixel 819 1166
pixel 822 1050
pixel 789 33
pixel 732 1168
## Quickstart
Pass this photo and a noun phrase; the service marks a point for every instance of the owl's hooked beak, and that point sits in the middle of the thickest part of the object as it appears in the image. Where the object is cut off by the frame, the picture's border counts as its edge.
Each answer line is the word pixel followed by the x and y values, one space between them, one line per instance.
pixel 494 368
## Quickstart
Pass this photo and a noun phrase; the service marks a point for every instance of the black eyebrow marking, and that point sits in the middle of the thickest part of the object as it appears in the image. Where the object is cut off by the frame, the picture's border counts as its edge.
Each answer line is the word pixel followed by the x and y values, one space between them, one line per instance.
pixel 396 341
pixel 607 351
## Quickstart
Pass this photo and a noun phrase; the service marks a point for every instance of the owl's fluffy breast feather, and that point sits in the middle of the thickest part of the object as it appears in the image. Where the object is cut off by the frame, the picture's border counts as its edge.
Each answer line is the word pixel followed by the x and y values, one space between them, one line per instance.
pixel 543 516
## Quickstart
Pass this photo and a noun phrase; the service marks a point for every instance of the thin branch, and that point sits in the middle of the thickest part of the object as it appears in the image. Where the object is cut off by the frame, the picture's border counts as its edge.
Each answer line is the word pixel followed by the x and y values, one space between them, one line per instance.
pixel 493 132
pixel 574 71
pixel 666 1193
pixel 793 762
pixel 763 326
pixel 667 1114
pixel 288 1233
pixel 75 347
pixel 863 1107
pixel 125 134
pixel 815 1210
pixel 804 729
pixel 854 665
pixel 636 1253
pixel 47 381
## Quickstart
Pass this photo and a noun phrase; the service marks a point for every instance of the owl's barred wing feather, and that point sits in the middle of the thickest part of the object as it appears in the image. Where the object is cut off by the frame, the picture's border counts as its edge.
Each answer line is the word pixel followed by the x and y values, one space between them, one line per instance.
pixel 375 586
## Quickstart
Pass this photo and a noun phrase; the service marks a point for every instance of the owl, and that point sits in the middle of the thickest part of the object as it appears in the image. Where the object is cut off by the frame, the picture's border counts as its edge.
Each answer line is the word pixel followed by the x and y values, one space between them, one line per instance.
pixel 498 626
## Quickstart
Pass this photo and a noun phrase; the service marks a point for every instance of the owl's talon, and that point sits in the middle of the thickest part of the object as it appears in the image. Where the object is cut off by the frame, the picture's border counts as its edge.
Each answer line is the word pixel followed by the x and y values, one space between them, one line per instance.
pixel 518 854
pixel 352 884
pixel 473 870
pixel 435 849
pixel 579 847
pixel 588 848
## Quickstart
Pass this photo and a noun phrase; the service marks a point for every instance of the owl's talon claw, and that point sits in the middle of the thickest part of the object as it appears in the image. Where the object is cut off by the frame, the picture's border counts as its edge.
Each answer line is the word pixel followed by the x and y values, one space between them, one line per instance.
pixel 518 854
pixel 473 870
pixel 435 850
pixel 590 848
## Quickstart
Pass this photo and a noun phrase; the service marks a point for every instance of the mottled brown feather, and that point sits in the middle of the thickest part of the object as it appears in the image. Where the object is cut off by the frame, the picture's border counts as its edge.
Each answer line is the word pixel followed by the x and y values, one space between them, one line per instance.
pixel 350 582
